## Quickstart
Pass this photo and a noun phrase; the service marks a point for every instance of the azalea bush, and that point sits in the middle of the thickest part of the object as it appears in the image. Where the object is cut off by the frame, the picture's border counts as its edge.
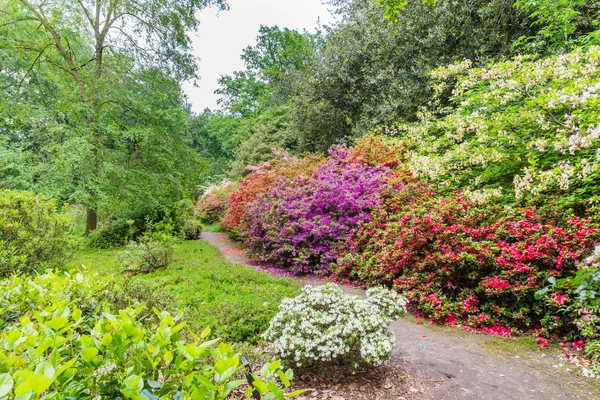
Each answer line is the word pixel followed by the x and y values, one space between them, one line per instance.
pixel 460 263
pixel 262 177
pixel 34 235
pixel 59 342
pixel 323 325
pixel 215 202
pixel 301 224
pixel 521 129
pixel 578 297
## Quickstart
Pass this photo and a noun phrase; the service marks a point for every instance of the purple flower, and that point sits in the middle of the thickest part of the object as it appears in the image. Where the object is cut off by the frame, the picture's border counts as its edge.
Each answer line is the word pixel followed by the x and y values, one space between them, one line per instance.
pixel 300 224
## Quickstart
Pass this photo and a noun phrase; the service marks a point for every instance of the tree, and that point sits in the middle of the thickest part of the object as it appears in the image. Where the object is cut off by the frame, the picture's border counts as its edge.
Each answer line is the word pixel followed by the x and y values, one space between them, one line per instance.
pixel 371 72
pixel 271 66
pixel 109 51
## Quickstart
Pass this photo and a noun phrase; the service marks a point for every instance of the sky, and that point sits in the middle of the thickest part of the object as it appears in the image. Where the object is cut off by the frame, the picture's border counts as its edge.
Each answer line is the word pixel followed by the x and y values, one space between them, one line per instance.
pixel 223 36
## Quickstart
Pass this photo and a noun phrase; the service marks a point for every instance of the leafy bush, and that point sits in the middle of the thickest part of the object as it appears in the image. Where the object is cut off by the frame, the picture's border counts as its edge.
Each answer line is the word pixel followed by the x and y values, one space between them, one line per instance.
pixel 55 348
pixel 300 224
pixel 33 234
pixel 460 263
pixel 174 219
pixel 323 325
pixel 153 250
pixel 578 300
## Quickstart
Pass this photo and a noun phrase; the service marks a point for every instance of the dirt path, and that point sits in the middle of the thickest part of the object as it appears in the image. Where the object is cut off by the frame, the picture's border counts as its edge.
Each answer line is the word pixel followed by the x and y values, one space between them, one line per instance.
pixel 457 363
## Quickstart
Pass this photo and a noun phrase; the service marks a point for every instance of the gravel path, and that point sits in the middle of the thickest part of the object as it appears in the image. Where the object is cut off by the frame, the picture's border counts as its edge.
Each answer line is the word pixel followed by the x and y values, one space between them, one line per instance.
pixel 456 362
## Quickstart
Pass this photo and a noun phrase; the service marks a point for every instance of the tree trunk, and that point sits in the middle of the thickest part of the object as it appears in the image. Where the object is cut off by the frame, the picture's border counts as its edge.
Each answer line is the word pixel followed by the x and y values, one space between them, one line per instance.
pixel 92 220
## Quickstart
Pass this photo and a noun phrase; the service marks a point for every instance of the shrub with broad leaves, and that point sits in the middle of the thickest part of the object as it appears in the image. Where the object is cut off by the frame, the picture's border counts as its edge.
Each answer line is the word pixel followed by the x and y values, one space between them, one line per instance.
pixel 59 342
pixel 301 224
pixel 323 326
pixel 34 236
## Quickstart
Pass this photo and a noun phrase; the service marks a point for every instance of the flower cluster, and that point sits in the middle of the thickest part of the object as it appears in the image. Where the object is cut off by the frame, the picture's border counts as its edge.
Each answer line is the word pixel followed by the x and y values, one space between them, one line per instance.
pixel 301 224
pixel 261 179
pixel 323 325
pixel 462 263
pixel 525 128
pixel 216 201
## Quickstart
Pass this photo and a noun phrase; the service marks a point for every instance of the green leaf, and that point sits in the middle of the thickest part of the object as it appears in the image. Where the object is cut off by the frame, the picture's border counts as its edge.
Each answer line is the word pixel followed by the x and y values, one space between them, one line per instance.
pixel 46 370
pixel 89 353
pixel 6 384
pixel 34 383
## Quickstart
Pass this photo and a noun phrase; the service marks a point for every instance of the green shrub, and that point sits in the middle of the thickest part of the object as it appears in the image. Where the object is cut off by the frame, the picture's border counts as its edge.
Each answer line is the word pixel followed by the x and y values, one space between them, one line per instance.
pixel 33 234
pixel 117 231
pixel 153 250
pixel 57 349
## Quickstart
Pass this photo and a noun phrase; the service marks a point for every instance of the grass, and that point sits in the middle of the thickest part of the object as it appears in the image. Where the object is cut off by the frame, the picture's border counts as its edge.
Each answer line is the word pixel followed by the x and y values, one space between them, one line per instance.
pixel 213 228
pixel 235 301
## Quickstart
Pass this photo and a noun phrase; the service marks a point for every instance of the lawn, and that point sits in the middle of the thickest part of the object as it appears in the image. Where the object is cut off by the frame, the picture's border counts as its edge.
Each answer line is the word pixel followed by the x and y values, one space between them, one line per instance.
pixel 235 301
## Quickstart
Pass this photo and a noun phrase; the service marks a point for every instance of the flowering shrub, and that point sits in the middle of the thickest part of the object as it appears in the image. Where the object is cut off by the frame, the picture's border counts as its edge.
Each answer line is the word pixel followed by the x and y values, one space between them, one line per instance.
pixel 215 202
pixel 323 325
pixel 519 129
pixel 459 263
pixel 300 224
pixel 260 181
pixel 33 234
pixel 578 297
pixel 58 342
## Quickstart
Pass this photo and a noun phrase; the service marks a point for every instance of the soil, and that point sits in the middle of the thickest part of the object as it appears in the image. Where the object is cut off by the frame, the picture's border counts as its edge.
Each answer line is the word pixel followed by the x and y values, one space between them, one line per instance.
pixel 430 363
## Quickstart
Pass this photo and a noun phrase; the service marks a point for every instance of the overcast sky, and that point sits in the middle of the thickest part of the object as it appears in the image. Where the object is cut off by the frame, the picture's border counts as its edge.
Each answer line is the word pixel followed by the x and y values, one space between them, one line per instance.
pixel 223 37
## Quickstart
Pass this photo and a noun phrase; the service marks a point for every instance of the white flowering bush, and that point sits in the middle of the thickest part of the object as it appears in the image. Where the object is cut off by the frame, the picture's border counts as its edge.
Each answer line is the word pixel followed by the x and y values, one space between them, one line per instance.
pixel 522 129
pixel 323 325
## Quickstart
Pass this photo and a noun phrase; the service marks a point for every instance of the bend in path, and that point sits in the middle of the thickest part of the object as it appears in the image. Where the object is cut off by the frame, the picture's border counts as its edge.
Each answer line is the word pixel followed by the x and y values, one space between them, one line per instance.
pixel 457 363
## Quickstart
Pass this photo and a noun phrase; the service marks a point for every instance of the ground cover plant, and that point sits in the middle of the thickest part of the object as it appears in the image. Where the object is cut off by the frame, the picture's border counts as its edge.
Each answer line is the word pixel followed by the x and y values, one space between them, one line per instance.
pixel 59 340
pixel 235 301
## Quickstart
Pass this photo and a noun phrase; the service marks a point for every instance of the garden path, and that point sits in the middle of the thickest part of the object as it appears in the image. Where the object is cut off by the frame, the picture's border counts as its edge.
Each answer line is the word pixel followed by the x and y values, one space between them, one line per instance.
pixel 458 364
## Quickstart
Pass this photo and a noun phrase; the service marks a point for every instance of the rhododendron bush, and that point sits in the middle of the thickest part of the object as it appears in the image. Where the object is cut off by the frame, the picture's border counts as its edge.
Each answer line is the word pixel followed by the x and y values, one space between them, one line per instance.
pixel 460 263
pixel 301 224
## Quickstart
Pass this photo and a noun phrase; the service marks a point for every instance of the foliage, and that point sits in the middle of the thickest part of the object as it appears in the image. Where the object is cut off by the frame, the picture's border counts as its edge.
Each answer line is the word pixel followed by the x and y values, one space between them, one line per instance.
pixel 259 181
pixel 174 219
pixel 192 228
pixel 15 166
pixel 91 90
pixel 561 22
pixel 301 224
pixel 214 203
pixel 370 72
pixel 526 129
pixel 33 235
pixel 460 263
pixel 84 350
pixel 323 325
pixel 235 301
pixel 153 250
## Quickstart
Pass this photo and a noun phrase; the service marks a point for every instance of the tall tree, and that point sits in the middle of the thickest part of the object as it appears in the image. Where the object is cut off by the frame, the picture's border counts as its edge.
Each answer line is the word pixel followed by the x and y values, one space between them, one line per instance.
pixel 109 52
